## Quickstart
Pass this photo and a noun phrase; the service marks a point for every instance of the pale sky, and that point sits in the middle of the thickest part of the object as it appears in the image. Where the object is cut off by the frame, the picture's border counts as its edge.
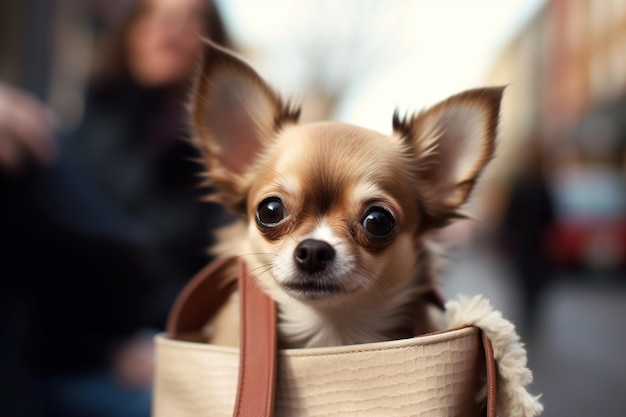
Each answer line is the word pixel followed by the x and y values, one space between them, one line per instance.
pixel 383 54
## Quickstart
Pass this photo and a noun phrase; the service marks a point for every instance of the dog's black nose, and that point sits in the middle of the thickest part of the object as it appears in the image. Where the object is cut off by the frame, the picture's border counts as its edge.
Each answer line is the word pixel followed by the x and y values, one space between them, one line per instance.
pixel 313 255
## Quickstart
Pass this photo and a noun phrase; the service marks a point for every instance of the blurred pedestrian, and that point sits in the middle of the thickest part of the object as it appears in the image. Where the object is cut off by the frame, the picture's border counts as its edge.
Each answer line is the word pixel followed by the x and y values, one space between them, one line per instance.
pixel 528 217
pixel 97 244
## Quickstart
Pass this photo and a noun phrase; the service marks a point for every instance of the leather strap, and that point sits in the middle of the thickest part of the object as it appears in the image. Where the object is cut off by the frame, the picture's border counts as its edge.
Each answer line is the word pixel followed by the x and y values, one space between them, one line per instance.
pixel 492 377
pixel 257 357
pixel 202 297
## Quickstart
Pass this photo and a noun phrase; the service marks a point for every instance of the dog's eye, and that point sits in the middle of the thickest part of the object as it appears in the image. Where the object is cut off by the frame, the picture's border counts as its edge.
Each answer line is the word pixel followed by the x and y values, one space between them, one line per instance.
pixel 271 211
pixel 379 222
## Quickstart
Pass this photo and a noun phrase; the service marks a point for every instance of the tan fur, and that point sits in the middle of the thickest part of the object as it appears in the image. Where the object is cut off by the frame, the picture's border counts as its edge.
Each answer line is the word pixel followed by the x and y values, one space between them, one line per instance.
pixel 328 177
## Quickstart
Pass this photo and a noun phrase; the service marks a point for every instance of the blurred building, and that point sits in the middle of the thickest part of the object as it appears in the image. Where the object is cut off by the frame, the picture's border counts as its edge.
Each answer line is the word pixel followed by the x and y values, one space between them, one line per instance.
pixel 566 71
pixel 46 48
pixel 520 65
pixel 567 61
pixel 24 59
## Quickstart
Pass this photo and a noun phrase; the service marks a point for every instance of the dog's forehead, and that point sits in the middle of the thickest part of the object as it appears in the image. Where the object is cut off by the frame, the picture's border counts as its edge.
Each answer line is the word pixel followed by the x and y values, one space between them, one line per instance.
pixel 336 149
pixel 332 162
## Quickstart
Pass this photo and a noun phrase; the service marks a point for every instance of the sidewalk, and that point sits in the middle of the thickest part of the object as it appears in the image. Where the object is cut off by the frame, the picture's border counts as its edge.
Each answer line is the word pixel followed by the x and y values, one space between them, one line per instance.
pixel 576 352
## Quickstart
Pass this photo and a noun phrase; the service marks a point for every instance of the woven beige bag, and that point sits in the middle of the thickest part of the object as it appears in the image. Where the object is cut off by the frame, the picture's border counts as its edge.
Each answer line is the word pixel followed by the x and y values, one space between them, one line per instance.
pixel 433 375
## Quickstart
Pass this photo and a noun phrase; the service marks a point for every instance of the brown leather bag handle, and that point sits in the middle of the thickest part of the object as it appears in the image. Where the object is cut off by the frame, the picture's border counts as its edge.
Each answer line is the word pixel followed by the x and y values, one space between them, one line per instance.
pixel 492 377
pixel 201 298
pixel 257 357
pixel 208 290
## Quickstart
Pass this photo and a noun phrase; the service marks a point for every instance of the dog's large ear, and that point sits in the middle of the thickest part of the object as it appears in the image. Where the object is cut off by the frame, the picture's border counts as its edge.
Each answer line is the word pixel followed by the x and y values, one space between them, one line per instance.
pixel 234 115
pixel 452 143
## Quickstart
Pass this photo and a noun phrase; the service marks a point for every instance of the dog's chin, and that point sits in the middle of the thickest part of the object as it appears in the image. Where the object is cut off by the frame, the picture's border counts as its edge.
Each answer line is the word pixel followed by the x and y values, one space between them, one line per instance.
pixel 315 289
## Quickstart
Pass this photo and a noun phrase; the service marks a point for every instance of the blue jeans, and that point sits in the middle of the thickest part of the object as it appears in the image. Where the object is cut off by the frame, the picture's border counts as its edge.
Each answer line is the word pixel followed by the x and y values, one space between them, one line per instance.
pixel 96 394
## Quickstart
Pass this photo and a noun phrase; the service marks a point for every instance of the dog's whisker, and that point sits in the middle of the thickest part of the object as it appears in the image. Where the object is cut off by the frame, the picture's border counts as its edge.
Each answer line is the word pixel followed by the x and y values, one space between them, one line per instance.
pixel 262 269
pixel 373 278
pixel 257 254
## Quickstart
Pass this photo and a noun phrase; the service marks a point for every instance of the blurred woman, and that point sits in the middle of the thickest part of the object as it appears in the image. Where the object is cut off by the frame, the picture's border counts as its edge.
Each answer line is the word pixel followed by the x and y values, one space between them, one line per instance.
pixel 101 241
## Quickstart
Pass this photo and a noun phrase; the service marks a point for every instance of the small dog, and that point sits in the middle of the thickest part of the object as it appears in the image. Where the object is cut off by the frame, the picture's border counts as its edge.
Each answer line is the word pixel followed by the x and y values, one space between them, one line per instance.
pixel 335 218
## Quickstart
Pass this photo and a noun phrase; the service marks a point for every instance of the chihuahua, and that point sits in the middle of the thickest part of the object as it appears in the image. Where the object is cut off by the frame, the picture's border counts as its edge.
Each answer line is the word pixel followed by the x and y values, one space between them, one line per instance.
pixel 335 219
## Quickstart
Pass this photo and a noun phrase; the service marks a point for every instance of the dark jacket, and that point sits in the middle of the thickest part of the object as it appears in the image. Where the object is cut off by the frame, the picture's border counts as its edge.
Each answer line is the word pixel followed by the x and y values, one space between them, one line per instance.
pixel 98 246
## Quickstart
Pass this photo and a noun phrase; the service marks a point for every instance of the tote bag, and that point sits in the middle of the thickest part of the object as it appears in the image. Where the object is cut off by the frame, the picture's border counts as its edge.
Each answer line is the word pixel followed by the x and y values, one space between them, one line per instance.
pixel 434 375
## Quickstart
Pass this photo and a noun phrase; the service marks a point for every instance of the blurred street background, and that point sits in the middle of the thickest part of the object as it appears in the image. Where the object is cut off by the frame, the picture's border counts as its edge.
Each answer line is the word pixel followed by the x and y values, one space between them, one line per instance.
pixel 548 247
